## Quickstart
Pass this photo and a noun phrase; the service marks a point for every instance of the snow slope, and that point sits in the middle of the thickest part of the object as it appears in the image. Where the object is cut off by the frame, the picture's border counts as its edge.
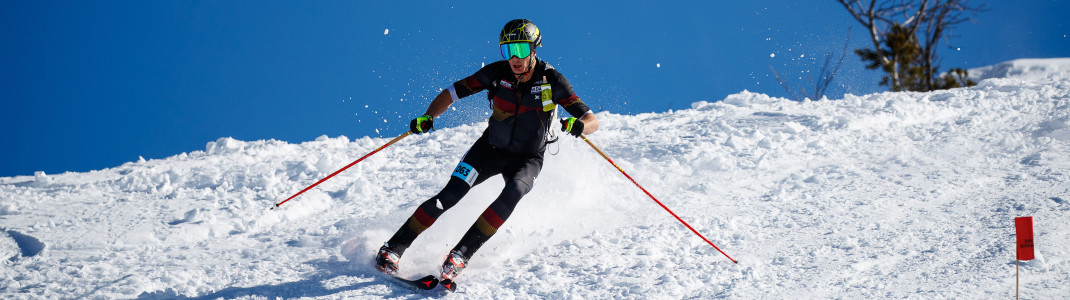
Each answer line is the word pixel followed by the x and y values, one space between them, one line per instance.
pixel 1026 68
pixel 890 195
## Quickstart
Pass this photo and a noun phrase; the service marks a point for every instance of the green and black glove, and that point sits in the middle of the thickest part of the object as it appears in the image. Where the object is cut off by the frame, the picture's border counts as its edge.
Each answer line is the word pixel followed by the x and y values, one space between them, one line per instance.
pixel 422 124
pixel 572 126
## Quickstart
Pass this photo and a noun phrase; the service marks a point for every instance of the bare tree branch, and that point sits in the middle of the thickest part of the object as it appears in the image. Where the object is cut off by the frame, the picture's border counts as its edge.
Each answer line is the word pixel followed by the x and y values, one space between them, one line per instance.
pixel 904 35
pixel 820 86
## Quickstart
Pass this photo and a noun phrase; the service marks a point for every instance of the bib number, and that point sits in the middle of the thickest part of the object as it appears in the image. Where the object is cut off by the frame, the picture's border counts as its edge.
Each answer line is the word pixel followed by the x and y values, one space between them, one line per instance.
pixel 466 172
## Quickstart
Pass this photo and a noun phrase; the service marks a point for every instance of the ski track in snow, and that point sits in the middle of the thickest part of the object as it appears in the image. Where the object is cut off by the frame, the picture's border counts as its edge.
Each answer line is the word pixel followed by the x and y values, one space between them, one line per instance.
pixel 889 195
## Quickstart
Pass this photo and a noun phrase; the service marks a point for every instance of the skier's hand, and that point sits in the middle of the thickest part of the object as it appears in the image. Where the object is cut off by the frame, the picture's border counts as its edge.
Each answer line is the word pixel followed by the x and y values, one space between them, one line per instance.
pixel 422 124
pixel 572 126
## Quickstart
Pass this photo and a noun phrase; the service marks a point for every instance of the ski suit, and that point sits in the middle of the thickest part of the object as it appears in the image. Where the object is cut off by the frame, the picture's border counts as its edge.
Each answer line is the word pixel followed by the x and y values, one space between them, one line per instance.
pixel 512 145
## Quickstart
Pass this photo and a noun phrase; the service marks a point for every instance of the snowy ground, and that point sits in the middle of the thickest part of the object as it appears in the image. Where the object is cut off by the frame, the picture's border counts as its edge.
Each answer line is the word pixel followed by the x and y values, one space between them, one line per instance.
pixel 890 195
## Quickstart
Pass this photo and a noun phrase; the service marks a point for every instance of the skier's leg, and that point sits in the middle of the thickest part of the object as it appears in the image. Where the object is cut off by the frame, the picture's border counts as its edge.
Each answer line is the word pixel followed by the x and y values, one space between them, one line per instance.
pixel 427 213
pixel 473 169
pixel 519 179
pixel 518 182
pixel 389 255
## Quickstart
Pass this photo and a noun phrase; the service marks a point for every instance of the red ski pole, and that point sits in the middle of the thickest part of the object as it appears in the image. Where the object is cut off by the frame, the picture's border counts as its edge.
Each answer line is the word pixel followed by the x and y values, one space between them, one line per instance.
pixel 391 142
pixel 652 197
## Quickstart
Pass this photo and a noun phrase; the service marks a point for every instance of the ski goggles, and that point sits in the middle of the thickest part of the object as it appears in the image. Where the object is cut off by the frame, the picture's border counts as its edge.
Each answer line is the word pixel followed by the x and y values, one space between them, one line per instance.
pixel 520 50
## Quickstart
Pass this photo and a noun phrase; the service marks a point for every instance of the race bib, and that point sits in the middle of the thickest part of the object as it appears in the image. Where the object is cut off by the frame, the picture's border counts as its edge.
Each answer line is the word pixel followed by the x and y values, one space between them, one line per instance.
pixel 466 172
pixel 545 94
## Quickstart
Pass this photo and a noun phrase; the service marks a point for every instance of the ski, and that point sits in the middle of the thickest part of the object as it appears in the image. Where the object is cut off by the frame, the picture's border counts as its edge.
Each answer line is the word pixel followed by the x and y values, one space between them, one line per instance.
pixel 426 283
pixel 448 284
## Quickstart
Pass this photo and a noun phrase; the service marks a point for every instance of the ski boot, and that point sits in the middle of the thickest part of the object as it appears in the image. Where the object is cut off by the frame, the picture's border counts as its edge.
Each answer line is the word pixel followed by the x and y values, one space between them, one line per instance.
pixel 455 262
pixel 387 260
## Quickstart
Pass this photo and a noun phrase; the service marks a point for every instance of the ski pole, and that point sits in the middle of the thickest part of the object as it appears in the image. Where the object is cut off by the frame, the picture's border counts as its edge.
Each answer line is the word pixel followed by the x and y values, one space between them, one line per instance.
pixel 584 137
pixel 391 142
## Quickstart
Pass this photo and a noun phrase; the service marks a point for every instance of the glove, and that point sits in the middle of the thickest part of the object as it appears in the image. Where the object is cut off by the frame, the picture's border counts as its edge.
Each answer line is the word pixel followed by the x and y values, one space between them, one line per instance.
pixel 572 126
pixel 422 124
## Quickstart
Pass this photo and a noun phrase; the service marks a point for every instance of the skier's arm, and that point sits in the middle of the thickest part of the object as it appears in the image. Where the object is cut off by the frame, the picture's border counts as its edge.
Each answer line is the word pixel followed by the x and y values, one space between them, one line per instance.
pixel 462 88
pixel 584 125
pixel 440 104
pixel 590 123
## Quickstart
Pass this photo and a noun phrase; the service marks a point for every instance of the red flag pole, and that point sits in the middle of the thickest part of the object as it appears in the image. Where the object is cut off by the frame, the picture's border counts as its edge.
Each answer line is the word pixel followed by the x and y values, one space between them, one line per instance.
pixel 391 142
pixel 603 154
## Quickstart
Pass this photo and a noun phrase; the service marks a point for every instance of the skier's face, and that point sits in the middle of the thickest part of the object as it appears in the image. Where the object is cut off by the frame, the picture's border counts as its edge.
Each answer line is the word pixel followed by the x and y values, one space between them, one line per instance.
pixel 520 65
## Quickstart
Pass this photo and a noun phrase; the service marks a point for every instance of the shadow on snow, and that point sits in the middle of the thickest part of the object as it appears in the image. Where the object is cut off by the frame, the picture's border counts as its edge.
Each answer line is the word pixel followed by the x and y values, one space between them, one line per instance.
pixel 312 286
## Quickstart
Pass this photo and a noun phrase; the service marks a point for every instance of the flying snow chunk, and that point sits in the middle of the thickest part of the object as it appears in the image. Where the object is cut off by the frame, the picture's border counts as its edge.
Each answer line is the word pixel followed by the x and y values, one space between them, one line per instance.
pixel 351 249
pixel 386 31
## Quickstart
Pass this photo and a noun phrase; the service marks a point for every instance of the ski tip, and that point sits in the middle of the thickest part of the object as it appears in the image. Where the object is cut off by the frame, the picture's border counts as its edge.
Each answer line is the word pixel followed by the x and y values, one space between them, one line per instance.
pixel 449 285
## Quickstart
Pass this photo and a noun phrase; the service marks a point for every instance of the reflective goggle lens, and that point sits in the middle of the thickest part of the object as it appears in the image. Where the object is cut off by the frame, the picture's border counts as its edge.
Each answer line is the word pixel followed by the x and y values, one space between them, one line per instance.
pixel 520 50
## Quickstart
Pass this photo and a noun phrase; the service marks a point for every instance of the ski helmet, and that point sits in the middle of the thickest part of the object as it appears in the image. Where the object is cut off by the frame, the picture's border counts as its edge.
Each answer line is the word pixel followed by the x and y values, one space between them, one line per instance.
pixel 520 30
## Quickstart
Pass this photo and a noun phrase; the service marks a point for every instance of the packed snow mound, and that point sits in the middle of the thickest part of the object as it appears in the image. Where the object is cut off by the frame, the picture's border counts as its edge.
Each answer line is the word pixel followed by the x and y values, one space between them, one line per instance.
pixel 1026 68
pixel 888 195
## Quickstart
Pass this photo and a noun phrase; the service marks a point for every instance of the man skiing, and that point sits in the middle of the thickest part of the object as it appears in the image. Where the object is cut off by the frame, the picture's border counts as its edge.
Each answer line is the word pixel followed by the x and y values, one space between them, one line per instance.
pixel 524 92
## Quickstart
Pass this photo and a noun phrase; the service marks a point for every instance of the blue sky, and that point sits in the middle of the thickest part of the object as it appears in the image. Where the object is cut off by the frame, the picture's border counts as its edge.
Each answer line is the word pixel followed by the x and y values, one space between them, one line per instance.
pixel 87 85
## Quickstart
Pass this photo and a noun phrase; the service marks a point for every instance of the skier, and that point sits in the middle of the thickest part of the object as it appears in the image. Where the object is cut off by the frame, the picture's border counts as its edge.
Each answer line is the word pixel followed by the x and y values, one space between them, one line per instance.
pixel 524 91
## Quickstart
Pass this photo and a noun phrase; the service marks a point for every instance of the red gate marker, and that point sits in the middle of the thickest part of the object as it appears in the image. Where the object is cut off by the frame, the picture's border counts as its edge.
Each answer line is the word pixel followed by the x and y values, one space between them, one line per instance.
pixel 1024 228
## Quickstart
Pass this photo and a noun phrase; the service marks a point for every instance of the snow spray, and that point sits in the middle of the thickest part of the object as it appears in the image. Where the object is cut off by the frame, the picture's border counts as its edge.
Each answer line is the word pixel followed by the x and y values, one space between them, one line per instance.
pixel 603 154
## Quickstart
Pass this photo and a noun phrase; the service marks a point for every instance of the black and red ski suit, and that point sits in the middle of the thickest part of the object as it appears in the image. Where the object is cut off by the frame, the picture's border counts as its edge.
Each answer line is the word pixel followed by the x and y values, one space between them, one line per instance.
pixel 512 145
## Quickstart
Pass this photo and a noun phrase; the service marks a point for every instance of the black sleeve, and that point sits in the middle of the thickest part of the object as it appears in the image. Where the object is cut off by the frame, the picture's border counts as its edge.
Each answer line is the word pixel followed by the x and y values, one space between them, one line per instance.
pixel 564 96
pixel 481 80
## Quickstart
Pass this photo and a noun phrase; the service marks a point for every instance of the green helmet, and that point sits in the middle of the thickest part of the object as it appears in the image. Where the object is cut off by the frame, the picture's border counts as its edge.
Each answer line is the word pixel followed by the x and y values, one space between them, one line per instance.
pixel 520 30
